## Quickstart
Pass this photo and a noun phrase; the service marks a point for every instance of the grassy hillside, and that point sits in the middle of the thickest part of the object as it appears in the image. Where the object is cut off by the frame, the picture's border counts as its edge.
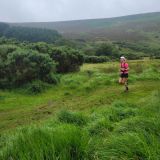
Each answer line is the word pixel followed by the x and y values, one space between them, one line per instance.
pixel 87 116
pixel 94 85
pixel 134 27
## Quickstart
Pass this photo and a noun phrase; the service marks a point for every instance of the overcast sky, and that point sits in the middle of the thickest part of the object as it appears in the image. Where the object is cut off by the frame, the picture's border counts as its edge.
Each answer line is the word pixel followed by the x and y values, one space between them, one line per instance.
pixel 59 10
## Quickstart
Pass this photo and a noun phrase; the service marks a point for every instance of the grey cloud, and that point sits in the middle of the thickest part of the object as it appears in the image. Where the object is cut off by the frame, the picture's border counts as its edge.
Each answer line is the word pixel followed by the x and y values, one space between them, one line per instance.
pixel 58 10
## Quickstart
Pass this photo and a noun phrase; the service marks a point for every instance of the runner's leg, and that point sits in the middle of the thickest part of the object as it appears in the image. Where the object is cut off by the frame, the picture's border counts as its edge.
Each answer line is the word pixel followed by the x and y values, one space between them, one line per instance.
pixel 126 83
pixel 123 80
pixel 120 80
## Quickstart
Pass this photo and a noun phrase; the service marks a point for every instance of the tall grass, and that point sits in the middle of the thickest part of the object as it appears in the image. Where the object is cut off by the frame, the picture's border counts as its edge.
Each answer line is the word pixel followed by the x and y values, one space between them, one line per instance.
pixel 135 137
pixel 130 146
pixel 121 131
pixel 64 143
pixel 126 129
pixel 72 117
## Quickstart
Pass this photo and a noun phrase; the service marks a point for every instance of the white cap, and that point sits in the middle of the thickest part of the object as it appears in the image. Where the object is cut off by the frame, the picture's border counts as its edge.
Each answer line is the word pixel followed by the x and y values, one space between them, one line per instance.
pixel 122 57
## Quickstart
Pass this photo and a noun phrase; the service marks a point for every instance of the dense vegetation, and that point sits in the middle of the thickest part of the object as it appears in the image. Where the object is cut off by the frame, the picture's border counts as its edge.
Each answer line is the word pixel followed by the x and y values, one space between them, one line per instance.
pixel 68 60
pixel 149 51
pixel 90 117
pixel 29 34
pixel 22 63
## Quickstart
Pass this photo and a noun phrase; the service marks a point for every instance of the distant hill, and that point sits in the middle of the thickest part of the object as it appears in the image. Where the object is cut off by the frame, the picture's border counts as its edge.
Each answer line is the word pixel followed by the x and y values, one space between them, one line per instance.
pixel 133 27
pixel 30 34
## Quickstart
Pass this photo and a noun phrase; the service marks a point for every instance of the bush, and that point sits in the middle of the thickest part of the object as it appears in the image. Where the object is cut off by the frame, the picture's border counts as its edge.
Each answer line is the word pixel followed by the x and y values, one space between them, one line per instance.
pixel 23 66
pixel 36 87
pixel 5 50
pixel 41 47
pixel 107 49
pixel 52 78
pixel 68 60
pixel 71 117
pixel 96 59
pixel 133 56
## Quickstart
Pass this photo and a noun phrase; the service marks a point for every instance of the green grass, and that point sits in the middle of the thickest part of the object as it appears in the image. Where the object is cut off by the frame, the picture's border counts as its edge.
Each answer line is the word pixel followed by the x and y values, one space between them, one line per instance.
pixel 64 142
pixel 87 116
pixel 94 85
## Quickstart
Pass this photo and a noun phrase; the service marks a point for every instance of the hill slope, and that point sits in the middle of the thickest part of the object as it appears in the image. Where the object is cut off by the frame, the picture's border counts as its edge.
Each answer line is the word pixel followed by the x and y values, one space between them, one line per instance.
pixel 133 27
pixel 28 33
pixel 87 116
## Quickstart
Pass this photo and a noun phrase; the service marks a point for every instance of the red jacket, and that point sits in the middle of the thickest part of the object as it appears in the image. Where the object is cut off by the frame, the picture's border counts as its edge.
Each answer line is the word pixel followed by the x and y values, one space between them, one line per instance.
pixel 124 68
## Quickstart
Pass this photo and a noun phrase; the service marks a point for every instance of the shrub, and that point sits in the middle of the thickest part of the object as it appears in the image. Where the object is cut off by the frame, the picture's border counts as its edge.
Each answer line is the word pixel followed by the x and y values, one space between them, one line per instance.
pixel 23 66
pixel 71 117
pixel 96 59
pixel 133 56
pixel 68 60
pixel 5 50
pixel 41 47
pixel 107 49
pixel 36 87
pixel 52 78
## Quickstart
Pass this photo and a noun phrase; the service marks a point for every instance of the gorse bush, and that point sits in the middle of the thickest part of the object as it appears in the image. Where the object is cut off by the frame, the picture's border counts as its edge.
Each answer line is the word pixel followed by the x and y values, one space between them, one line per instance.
pixel 52 78
pixel 22 63
pixel 68 60
pixel 108 49
pixel 5 49
pixel 36 87
pixel 96 59
pixel 22 66
pixel 41 47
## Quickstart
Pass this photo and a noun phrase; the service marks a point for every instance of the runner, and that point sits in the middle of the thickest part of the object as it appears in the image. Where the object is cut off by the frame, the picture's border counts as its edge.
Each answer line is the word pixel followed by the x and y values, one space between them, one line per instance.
pixel 124 68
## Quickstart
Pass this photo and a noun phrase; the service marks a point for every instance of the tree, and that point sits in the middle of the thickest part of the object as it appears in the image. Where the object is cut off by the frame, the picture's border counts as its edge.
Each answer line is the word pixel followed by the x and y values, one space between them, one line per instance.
pixel 29 34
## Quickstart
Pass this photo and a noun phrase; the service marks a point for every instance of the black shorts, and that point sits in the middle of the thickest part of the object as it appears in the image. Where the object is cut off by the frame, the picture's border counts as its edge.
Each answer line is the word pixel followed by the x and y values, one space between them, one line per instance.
pixel 124 75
